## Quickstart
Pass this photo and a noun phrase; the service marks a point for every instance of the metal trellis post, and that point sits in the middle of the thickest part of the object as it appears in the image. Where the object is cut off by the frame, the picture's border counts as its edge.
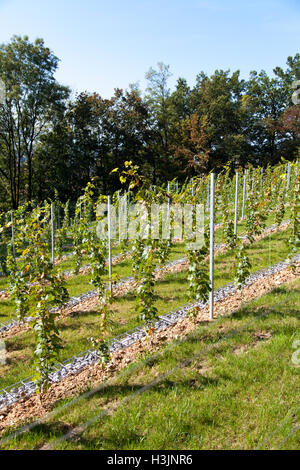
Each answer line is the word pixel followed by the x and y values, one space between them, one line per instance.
pixel 244 194
pixel 109 242
pixel 236 203
pixel 52 235
pixel 212 242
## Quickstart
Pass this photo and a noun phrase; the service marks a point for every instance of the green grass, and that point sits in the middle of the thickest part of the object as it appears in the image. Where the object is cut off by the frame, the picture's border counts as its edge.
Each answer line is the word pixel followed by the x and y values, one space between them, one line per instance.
pixel 65 265
pixel 77 329
pixel 228 385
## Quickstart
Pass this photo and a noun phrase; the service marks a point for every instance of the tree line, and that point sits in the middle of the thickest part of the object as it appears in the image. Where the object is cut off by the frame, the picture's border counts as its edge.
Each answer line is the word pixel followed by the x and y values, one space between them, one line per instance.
pixel 54 143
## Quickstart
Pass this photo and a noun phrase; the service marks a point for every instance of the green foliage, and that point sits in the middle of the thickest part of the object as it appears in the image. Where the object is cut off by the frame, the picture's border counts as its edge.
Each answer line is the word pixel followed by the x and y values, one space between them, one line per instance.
pixel 294 239
pixel 86 241
pixel 48 141
pixel 124 247
pixel 242 265
pixel 225 205
pixel 280 210
pixel 137 253
pixel 33 100
pixel 145 292
pixel 81 226
pixel 61 234
pixel 256 216
pixel 36 286
pixel 103 351
pixel 162 250
pixel 144 250
pixel 5 237
pixel 228 230
pixel 198 276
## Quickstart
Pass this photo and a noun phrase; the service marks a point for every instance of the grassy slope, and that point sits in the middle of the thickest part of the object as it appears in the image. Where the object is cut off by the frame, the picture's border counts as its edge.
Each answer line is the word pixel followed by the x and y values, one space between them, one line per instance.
pixel 239 387
pixel 76 330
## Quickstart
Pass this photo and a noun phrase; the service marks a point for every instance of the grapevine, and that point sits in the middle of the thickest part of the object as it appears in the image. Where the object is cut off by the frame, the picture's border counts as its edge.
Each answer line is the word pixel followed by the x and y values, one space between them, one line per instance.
pixel 36 287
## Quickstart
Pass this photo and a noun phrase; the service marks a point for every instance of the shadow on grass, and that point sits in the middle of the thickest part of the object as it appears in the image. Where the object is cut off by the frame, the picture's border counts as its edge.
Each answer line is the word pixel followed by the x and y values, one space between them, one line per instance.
pixel 47 431
pixel 42 431
pixel 83 313
pixel 7 304
pixel 130 296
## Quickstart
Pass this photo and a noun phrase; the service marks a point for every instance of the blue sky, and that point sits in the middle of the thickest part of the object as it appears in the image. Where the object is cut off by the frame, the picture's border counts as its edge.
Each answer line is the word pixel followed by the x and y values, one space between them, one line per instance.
pixel 105 44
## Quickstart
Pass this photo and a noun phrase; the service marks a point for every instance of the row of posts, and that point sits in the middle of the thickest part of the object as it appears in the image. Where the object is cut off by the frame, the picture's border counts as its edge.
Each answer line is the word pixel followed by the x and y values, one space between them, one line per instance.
pixel 208 196
pixel 211 205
